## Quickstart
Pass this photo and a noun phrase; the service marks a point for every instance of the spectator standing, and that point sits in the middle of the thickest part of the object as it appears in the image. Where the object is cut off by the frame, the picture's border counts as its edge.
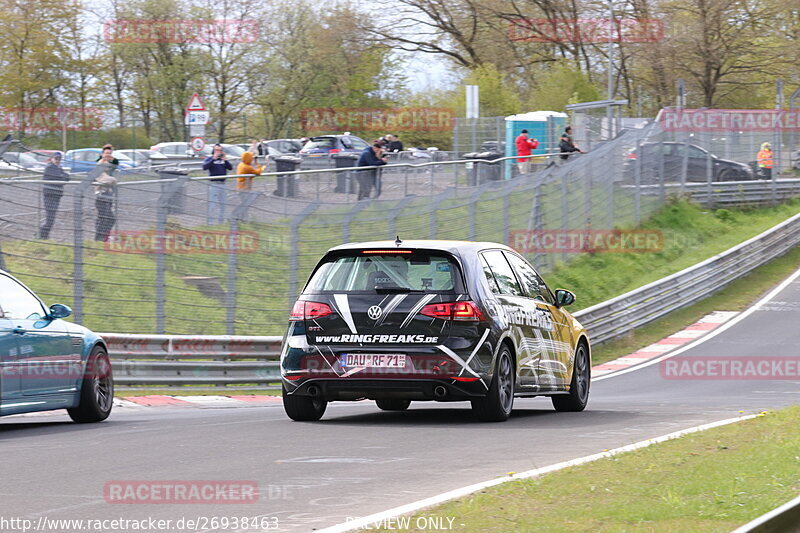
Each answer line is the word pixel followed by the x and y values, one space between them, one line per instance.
pixel 217 165
pixel 394 144
pixel 765 162
pixel 525 146
pixel 566 145
pixel 52 192
pixel 104 193
pixel 247 167
pixel 371 157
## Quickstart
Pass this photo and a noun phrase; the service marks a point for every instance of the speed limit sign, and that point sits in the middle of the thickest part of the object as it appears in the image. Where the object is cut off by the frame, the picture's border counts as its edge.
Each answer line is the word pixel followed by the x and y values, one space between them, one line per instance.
pixel 198 144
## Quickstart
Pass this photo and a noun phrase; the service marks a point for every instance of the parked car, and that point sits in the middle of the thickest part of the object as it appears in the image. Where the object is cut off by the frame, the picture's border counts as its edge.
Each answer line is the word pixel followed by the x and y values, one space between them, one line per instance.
pixel 27 160
pixel 182 150
pixel 179 150
pixel 286 146
pixel 445 321
pixel 47 363
pixel 231 150
pixel 278 147
pixel 142 157
pixel 85 159
pixel 673 160
pixel 323 145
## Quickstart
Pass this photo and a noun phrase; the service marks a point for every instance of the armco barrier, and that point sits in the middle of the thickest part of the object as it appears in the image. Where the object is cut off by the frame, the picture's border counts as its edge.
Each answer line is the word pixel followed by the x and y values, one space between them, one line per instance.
pixel 729 193
pixel 783 519
pixel 175 360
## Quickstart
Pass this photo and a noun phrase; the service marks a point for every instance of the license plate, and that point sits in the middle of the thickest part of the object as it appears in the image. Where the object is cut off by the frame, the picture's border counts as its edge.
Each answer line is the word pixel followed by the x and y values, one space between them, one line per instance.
pixel 374 360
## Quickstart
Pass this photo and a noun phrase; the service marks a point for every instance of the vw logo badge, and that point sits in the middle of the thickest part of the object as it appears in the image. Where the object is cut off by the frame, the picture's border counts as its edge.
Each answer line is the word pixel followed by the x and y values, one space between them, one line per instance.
pixel 374 312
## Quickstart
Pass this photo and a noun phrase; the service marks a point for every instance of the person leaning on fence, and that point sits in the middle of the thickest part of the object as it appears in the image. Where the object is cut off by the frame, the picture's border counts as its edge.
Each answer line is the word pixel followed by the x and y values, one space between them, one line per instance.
pixel 765 161
pixel 394 143
pixel 525 146
pixel 566 145
pixel 104 191
pixel 52 192
pixel 246 167
pixel 370 157
pixel 217 165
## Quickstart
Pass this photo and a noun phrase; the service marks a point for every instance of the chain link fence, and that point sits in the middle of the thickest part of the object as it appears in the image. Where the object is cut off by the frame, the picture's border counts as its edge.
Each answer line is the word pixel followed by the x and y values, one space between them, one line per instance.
pixel 187 255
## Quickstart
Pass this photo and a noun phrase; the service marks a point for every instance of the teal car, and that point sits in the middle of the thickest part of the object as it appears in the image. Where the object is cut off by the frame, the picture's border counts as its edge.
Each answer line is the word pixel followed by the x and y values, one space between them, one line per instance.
pixel 47 363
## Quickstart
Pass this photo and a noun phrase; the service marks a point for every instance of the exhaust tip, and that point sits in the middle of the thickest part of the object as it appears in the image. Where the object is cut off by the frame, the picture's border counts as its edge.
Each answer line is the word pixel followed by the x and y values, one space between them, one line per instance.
pixel 313 390
pixel 440 391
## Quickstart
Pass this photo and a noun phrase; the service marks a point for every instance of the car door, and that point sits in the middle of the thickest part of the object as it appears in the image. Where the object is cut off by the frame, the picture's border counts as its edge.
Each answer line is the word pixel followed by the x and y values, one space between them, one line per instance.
pixel 551 329
pixel 9 373
pixel 515 308
pixel 48 361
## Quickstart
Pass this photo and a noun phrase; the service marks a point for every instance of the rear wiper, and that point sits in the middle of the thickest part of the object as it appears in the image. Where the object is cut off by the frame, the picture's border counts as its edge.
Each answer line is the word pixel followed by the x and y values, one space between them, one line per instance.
pixel 393 290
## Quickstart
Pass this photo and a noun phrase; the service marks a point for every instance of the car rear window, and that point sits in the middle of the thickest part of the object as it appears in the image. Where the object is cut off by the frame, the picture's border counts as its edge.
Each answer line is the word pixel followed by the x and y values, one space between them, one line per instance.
pixel 362 271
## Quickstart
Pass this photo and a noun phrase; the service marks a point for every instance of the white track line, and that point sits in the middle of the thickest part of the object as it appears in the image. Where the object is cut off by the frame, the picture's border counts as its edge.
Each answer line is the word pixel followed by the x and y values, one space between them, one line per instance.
pixel 711 334
pixel 374 520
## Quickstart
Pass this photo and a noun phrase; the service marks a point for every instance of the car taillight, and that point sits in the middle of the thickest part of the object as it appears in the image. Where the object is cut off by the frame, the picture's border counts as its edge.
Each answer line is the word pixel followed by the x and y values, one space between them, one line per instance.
pixel 302 310
pixel 453 311
pixel 334 151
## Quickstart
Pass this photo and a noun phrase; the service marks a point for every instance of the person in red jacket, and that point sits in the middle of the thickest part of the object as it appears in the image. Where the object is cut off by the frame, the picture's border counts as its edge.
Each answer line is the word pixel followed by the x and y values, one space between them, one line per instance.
pixel 525 146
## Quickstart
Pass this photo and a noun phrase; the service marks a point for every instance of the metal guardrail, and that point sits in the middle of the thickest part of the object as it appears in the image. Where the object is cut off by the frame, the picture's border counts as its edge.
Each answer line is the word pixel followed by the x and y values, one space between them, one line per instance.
pixel 726 193
pixel 784 519
pixel 176 360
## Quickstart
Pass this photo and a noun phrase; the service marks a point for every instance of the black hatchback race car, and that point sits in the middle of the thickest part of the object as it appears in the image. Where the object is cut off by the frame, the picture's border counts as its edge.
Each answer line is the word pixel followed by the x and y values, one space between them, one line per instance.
pixel 397 322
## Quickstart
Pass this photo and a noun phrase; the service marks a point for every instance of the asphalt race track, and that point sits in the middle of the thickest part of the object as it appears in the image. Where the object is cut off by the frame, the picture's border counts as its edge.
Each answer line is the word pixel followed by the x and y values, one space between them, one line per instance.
pixel 359 460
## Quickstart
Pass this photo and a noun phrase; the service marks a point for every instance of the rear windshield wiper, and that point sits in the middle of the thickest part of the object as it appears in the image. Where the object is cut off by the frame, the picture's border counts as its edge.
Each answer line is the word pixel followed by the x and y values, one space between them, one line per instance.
pixel 393 290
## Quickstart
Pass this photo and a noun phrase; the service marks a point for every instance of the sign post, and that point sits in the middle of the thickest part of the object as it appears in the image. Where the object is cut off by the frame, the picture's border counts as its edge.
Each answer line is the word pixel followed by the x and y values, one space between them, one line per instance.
pixel 196 119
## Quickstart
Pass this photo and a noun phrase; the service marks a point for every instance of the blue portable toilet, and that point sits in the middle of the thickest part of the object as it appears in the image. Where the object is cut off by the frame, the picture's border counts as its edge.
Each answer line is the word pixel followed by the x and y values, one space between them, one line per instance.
pixel 544 126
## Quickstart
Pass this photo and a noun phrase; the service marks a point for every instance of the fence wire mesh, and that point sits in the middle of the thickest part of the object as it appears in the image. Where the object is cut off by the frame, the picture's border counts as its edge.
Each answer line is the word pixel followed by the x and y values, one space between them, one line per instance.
pixel 186 255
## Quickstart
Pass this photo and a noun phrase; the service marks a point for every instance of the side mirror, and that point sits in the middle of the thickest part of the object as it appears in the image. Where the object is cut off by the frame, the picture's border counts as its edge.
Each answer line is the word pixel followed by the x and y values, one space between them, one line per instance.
pixel 564 298
pixel 59 311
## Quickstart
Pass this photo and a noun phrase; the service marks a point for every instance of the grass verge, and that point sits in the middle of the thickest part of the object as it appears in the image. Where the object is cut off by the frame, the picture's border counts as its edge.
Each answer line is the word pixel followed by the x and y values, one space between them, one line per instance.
pixel 705 482
pixel 735 297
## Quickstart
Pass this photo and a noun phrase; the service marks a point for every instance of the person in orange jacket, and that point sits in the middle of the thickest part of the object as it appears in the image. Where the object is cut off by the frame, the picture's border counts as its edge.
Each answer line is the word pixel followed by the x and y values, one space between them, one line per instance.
pixel 765 161
pixel 246 167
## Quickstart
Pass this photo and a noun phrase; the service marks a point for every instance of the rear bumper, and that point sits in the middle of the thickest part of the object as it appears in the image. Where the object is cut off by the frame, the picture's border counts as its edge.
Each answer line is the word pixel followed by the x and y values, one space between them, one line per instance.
pixel 378 389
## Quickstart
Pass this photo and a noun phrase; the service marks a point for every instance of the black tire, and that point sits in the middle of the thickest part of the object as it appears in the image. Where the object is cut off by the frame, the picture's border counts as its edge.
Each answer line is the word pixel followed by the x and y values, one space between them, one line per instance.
pixel 303 408
pixel 727 175
pixel 97 389
pixel 393 404
pixel 578 395
pixel 496 406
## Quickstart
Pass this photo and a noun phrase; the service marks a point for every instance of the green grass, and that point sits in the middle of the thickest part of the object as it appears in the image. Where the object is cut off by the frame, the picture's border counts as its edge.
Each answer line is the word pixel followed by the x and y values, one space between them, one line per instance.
pixel 735 297
pixel 713 481
pixel 691 234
